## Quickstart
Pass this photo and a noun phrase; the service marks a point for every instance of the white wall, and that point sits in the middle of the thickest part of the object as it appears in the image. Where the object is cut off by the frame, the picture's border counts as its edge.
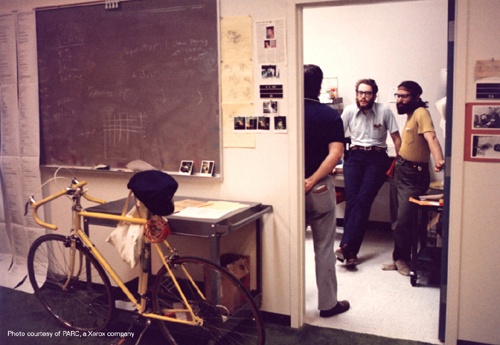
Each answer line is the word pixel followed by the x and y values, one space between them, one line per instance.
pixel 474 240
pixel 383 41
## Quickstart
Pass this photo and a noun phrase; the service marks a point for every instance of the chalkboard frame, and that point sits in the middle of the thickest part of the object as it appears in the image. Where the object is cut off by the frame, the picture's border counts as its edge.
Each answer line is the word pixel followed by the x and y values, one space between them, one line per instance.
pixel 191 136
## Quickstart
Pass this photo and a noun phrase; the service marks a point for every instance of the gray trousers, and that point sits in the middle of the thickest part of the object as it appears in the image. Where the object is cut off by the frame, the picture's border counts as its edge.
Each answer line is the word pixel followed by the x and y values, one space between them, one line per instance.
pixel 320 216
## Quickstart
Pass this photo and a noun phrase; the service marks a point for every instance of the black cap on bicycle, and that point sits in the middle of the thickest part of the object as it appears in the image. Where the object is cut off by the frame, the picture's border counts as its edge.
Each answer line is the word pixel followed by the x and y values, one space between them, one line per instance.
pixel 155 189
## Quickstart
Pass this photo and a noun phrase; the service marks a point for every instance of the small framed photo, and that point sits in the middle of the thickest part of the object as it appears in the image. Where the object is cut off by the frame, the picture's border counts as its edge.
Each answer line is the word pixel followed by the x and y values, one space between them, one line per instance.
pixel 280 123
pixel 485 148
pixel 264 123
pixel 270 107
pixel 251 123
pixel 239 123
pixel 485 116
pixel 186 167
pixel 207 168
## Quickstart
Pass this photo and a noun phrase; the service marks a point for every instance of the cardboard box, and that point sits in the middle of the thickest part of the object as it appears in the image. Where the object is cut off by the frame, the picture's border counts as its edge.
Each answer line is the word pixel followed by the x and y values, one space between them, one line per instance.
pixel 229 295
pixel 241 270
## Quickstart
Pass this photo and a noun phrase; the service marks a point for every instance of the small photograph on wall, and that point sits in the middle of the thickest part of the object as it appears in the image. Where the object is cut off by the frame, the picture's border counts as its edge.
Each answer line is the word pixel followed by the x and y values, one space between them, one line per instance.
pixel 186 167
pixel 270 107
pixel 251 123
pixel 270 71
pixel 280 123
pixel 270 32
pixel 486 116
pixel 207 168
pixel 268 44
pixel 239 123
pixel 486 147
pixel 264 123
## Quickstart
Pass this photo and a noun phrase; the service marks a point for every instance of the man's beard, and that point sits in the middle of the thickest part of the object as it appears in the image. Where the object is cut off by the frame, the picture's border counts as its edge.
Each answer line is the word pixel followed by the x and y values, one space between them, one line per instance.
pixel 368 105
pixel 405 108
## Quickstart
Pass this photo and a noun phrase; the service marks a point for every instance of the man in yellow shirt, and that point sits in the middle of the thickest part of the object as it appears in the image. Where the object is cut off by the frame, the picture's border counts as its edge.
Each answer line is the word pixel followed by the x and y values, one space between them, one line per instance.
pixel 411 172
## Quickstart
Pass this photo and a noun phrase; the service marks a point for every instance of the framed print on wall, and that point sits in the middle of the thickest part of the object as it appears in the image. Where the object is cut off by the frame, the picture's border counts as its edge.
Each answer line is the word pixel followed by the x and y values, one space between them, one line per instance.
pixel 482 132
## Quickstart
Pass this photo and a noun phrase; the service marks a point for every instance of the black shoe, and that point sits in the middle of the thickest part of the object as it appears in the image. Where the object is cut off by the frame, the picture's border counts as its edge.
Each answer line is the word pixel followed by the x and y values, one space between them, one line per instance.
pixel 341 307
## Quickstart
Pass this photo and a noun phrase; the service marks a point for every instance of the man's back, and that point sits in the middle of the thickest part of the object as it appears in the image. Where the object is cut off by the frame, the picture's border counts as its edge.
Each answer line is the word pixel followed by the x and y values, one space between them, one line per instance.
pixel 322 126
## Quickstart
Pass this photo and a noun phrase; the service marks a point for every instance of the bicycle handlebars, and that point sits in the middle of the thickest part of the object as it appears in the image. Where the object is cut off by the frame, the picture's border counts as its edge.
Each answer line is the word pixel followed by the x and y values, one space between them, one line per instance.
pixel 74 187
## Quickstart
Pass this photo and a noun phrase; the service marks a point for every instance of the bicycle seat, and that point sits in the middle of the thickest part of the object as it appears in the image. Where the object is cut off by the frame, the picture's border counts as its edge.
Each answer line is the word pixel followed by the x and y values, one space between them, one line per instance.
pixel 155 189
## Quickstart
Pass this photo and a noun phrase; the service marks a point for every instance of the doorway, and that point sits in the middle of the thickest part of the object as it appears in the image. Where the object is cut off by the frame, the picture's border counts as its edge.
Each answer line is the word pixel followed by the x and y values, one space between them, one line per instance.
pixel 389 42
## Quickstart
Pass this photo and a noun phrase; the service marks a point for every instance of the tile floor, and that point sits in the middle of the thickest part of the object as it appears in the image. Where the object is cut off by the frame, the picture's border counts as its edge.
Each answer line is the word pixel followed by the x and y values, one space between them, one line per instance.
pixel 382 302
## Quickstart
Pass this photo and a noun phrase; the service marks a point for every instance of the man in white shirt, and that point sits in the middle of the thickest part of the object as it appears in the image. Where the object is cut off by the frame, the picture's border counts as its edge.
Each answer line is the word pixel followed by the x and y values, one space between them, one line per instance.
pixel 367 162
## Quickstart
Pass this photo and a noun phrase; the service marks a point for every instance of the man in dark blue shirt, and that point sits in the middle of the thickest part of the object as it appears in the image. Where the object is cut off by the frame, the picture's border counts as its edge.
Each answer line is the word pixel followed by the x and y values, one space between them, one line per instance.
pixel 324 146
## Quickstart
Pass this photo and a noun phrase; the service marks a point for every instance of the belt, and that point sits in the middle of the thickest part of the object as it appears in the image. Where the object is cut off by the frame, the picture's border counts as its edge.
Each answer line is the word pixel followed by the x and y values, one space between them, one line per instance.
pixel 416 165
pixel 368 148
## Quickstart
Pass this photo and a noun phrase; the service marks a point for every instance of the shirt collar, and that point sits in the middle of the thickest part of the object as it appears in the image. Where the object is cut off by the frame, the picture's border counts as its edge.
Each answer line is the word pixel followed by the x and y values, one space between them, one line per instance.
pixel 361 112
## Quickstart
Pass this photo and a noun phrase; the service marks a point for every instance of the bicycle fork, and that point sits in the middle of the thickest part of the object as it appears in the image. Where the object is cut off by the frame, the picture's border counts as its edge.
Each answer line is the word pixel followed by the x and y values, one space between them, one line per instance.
pixel 72 263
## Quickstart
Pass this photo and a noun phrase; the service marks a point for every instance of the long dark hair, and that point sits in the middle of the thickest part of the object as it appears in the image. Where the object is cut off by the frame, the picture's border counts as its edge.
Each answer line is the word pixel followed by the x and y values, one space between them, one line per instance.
pixel 416 91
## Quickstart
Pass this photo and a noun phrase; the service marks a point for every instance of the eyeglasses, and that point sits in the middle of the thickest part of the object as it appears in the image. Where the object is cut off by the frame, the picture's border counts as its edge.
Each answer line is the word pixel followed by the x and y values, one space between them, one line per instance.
pixel 364 93
pixel 402 95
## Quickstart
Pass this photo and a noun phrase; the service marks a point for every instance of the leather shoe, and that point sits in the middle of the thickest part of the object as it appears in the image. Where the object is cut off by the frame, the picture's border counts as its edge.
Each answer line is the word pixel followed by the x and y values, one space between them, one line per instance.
pixel 352 261
pixel 340 307
pixel 342 253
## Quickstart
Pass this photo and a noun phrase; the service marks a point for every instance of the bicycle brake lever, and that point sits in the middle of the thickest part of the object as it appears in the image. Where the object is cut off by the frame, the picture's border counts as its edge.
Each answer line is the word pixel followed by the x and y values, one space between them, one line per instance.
pixel 28 203
pixel 71 190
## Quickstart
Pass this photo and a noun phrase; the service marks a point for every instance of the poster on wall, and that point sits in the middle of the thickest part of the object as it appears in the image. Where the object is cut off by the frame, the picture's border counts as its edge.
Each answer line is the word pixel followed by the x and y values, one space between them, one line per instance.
pixel 270 41
pixel 482 132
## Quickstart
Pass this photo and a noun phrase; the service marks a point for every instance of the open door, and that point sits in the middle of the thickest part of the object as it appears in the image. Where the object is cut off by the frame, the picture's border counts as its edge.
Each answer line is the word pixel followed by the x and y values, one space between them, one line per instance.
pixel 325 57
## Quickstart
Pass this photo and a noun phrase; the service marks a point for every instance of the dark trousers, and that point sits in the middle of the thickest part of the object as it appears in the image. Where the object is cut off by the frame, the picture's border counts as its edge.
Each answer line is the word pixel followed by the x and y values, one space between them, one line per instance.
pixel 364 174
pixel 408 181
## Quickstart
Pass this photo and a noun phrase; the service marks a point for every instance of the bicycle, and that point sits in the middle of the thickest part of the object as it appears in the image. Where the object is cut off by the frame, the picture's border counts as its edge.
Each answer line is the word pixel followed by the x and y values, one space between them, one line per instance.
pixel 70 278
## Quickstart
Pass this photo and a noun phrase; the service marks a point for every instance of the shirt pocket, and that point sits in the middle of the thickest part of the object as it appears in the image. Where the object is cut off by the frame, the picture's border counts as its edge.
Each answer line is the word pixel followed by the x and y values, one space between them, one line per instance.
pixel 409 136
pixel 379 131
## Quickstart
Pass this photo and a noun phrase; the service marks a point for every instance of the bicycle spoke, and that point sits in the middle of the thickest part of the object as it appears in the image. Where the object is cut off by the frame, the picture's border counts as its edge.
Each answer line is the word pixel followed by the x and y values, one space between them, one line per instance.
pixel 79 303
pixel 227 309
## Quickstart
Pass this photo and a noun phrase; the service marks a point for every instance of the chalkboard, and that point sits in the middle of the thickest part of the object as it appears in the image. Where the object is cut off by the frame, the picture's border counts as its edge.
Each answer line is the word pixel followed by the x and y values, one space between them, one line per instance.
pixel 137 82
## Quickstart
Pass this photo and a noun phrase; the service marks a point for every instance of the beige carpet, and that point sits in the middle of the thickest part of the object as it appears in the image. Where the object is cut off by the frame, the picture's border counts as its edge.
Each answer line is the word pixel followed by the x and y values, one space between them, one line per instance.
pixel 382 302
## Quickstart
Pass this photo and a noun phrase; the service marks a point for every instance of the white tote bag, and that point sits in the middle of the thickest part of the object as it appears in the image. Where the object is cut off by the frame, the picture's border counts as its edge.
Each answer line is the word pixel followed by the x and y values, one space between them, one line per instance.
pixel 128 238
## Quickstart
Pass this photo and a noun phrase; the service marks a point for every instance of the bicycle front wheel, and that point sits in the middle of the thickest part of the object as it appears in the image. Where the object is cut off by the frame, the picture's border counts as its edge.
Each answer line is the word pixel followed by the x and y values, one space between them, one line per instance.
pixel 229 313
pixel 77 295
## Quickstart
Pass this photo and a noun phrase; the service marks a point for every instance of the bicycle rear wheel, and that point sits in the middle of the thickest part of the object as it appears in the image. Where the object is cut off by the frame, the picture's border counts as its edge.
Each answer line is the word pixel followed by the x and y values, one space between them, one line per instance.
pixel 229 313
pixel 82 302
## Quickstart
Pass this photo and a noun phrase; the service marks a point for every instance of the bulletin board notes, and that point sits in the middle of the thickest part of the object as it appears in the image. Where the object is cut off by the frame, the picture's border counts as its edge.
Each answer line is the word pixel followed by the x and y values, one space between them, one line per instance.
pixel 137 82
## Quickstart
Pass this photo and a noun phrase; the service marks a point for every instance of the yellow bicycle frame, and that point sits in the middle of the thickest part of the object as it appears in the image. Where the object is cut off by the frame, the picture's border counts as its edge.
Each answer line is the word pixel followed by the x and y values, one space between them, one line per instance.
pixel 77 221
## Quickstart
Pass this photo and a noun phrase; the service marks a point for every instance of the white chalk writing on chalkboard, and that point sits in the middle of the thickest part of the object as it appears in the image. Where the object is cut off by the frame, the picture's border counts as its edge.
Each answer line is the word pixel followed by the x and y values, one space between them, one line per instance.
pixel 138 82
